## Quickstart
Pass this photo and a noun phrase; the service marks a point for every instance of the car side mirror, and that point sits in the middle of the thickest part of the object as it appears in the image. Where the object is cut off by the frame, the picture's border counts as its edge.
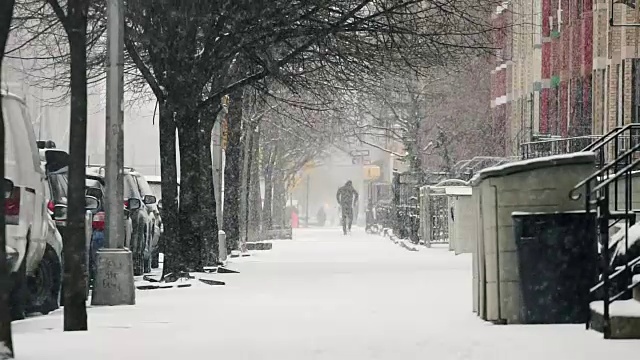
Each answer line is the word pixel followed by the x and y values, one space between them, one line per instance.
pixel 7 188
pixel 91 203
pixel 133 204
pixel 149 199
pixel 60 213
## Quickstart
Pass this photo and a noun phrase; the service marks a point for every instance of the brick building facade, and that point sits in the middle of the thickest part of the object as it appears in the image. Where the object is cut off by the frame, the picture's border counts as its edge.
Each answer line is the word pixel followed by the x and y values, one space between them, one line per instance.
pixel 616 67
pixel 548 60
pixel 500 79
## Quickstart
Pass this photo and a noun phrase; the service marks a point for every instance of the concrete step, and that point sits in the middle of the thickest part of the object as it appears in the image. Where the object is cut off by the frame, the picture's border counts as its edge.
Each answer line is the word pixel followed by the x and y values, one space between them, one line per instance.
pixel 624 315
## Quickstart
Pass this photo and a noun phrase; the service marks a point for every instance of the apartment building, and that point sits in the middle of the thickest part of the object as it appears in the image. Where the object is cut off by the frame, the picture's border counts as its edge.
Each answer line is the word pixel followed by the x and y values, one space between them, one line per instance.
pixel 501 74
pixel 545 51
pixel 616 65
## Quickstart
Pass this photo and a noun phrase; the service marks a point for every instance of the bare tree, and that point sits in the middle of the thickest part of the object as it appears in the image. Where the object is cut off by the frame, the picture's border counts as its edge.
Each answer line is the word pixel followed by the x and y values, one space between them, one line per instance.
pixel 186 53
pixel 74 20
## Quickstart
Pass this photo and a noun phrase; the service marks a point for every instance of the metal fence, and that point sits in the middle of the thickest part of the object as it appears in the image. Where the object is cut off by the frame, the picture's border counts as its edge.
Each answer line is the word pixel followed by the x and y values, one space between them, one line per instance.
pixel 406 205
pixel 555 145
pixel 436 211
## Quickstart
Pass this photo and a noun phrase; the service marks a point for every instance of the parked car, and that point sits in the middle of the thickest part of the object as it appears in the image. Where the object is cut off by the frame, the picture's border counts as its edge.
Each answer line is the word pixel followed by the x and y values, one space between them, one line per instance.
pixel 140 219
pixel 95 187
pixel 156 186
pixel 31 242
pixel 151 202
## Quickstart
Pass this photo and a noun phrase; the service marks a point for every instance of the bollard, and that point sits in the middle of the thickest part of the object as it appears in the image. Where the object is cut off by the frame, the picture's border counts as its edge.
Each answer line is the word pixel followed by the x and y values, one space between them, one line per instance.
pixel 222 246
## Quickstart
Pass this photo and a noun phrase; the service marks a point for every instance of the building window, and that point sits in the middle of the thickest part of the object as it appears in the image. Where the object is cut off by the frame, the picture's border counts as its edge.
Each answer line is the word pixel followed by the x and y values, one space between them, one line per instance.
pixel 620 78
pixel 587 112
pixel 635 99
pixel 577 116
pixel 579 8
pixel 605 100
pixel 635 90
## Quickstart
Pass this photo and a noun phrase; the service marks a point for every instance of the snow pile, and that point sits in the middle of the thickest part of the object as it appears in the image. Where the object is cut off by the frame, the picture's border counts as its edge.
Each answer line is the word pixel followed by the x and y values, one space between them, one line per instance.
pixel 617 240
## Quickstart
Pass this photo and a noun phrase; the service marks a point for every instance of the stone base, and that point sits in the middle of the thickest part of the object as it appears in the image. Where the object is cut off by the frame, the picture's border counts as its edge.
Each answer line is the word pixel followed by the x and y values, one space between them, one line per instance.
pixel 260 245
pixel 276 234
pixel 114 284
pixel 624 319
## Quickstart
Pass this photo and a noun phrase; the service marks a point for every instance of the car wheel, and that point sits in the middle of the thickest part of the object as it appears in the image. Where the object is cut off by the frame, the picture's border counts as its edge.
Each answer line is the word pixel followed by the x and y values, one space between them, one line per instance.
pixel 18 296
pixel 155 258
pixel 138 251
pixel 147 246
pixel 44 287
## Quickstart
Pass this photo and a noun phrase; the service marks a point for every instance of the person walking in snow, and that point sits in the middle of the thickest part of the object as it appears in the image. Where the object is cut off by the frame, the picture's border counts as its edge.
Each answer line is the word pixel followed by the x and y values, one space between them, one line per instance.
pixel 347 198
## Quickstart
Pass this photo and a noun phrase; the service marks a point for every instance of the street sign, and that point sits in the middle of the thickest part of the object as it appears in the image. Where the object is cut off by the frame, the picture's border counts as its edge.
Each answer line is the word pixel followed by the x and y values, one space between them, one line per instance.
pixel 371 172
pixel 359 153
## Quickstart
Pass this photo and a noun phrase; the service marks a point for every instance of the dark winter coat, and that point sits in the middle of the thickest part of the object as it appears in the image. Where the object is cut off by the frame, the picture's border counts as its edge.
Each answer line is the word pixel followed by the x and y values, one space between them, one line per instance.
pixel 347 196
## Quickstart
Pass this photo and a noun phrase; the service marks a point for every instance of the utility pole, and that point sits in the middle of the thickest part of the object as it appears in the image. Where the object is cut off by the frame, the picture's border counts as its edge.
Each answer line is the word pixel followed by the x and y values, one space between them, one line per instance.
pixel 114 276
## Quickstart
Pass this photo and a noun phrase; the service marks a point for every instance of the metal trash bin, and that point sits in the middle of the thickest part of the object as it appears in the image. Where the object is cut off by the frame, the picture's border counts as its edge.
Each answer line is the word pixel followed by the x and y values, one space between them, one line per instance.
pixel 537 185
pixel 557 265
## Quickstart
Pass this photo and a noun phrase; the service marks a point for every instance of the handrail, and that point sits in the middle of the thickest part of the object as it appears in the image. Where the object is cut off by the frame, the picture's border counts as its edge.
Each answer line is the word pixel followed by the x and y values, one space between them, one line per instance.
pixel 615 274
pixel 601 171
pixel 631 286
pixel 616 176
pixel 617 130
pixel 559 139
pixel 612 134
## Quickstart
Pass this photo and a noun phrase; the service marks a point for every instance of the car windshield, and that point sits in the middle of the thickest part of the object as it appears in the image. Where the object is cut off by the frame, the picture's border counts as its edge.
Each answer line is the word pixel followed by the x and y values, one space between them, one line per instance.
pixel 131 187
pixel 58 184
pixel 144 187
pixel 95 192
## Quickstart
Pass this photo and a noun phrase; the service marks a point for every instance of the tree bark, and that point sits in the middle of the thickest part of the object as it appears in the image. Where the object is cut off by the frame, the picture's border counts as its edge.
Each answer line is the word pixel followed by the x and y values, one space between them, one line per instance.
pixel 267 209
pixel 233 171
pixel 169 244
pixel 189 247
pixel 208 217
pixel 279 199
pixel 247 138
pixel 255 198
pixel 6 340
pixel 74 279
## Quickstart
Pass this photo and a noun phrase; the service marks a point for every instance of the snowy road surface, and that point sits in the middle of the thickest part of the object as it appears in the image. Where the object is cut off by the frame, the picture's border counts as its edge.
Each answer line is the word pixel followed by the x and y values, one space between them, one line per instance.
pixel 320 296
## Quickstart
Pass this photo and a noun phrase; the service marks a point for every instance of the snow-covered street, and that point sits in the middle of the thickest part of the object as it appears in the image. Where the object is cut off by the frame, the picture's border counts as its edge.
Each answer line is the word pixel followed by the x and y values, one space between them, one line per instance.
pixel 320 296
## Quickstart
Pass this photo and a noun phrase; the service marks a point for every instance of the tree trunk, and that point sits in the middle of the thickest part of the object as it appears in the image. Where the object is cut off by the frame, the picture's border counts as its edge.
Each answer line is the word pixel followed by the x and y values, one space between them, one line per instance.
pixel 247 138
pixel 208 217
pixel 233 171
pixel 279 199
pixel 6 14
pixel 75 312
pixel 169 243
pixel 255 199
pixel 189 247
pixel 267 214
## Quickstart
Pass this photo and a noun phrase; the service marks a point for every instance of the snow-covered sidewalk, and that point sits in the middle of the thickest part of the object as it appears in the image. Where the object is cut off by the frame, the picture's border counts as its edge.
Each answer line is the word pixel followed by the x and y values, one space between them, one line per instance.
pixel 320 296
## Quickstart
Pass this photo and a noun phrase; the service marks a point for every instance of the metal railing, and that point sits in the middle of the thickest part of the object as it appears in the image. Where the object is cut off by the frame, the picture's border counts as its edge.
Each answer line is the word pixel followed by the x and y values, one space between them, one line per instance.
pixel 556 146
pixel 616 154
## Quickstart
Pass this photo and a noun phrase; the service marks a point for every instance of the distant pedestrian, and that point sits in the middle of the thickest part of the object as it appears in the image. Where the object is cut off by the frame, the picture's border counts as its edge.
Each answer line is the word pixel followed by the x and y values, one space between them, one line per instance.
pixel 295 220
pixel 347 197
pixel 321 216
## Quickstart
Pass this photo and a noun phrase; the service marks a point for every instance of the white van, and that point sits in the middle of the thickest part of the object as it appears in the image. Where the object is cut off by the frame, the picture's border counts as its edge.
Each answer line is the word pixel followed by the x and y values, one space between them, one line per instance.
pixel 27 218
